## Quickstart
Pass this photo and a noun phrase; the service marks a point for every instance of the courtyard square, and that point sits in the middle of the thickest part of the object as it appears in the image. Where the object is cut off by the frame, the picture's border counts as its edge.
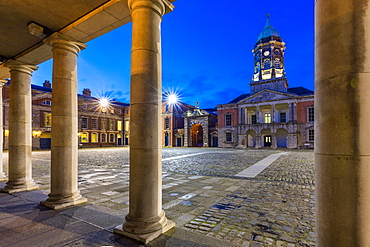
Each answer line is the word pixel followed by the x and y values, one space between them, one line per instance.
pixel 210 205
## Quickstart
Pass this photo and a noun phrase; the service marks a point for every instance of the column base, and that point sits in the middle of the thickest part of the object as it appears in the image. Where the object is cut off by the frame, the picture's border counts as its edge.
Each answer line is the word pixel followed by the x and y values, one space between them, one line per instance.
pixel 12 187
pixel 146 237
pixel 59 205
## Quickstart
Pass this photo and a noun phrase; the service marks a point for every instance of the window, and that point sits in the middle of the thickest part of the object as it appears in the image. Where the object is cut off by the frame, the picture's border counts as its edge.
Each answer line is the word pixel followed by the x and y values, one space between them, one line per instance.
pixel 311 114
pixel 267 64
pixel 84 106
pixel 47 119
pixel 84 123
pixel 119 125
pixel 228 119
pixel 111 137
pixel 282 117
pixel 111 124
pixel 103 137
pixel 119 111
pixel 94 123
pixel 127 125
pixel 267 117
pixel 85 137
pixel 103 124
pixel 229 137
pixel 112 111
pixel 94 137
pixel 166 108
pixel 46 102
pixel 126 112
pixel 253 119
pixel 311 135
pixel 167 123
pixel 277 63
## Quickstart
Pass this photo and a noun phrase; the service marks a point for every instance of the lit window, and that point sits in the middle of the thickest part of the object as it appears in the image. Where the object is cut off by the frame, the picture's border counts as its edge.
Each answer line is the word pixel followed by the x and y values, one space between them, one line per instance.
pixel 84 123
pixel 167 123
pixel 94 123
pixel 228 119
pixel 267 117
pixel 119 125
pixel 311 135
pixel 112 111
pixel 111 124
pixel 94 137
pixel 127 125
pixel 84 137
pixel 229 137
pixel 46 102
pixel 311 114
pixel 282 117
pixel 103 124
pixel 47 119
pixel 111 137
pixel 103 137
pixel 253 119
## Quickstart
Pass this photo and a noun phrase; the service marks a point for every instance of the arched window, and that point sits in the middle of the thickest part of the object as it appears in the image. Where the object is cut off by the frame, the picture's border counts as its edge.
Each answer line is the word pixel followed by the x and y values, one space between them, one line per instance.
pixel 94 137
pixel 277 63
pixel 267 64
pixel 111 137
pixel 103 137
pixel 85 137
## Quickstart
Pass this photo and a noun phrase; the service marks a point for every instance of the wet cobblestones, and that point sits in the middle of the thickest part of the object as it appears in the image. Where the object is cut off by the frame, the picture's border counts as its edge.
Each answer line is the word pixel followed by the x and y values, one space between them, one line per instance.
pixel 201 194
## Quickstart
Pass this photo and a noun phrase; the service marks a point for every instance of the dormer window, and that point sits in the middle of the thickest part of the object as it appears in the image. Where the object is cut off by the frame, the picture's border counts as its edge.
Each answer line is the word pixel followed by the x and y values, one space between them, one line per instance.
pixel 46 102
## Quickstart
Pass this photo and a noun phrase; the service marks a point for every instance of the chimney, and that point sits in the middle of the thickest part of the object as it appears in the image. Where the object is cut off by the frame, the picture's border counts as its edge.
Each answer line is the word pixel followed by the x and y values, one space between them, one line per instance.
pixel 46 84
pixel 86 92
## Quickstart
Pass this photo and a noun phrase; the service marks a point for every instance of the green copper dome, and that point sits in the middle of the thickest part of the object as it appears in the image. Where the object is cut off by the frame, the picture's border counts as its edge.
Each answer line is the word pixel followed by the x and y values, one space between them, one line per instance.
pixel 268 31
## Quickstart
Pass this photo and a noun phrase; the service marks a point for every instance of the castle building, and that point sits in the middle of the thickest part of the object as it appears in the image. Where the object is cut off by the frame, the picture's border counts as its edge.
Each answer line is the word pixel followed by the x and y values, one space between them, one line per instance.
pixel 272 114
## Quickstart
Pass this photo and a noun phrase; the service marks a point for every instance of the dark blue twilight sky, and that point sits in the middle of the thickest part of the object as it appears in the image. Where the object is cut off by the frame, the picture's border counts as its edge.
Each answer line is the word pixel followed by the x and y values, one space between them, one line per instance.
pixel 206 50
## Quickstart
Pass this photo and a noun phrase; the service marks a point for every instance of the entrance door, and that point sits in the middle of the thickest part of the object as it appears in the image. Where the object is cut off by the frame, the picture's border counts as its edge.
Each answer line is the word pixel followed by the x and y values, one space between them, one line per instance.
pixel 267 141
pixel 179 142
pixel 215 141
pixel 166 139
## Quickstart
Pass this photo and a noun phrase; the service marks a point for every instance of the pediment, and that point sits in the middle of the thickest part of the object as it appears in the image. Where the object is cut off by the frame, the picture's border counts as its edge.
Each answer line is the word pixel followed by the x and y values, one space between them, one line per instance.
pixel 266 95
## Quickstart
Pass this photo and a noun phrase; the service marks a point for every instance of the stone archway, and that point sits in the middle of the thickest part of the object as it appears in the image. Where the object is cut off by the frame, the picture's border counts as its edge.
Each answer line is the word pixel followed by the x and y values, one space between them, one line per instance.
pixel 196 132
pixel 251 138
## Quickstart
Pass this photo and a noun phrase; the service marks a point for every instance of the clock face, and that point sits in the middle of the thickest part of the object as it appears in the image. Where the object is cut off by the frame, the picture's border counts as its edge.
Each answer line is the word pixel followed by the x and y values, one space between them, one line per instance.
pixel 266 53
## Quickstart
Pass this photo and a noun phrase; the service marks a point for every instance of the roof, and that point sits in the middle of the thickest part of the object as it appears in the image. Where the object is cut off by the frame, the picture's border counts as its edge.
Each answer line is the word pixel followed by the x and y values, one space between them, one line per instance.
pixel 40 88
pixel 268 31
pixel 300 91
pixel 239 98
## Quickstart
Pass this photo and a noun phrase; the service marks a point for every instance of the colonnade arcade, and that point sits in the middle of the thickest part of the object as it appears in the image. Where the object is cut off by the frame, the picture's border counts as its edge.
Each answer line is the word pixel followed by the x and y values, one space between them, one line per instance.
pixel 342 123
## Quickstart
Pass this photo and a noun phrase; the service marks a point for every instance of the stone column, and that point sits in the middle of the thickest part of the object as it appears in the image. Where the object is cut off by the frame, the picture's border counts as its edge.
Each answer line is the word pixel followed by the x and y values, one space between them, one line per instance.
pixel 146 220
pixel 258 114
pixel 342 123
pixel 20 128
pixel 64 130
pixel 273 120
pixel 2 175
pixel 186 133
pixel 273 141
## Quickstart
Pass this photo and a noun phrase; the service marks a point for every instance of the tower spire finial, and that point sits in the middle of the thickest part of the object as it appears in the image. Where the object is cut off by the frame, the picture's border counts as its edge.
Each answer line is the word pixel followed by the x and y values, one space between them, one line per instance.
pixel 268 21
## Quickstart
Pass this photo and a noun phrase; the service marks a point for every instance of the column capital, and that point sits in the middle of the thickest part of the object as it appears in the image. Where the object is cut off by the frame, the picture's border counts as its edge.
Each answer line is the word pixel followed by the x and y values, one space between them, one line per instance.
pixel 15 65
pixel 58 40
pixel 160 6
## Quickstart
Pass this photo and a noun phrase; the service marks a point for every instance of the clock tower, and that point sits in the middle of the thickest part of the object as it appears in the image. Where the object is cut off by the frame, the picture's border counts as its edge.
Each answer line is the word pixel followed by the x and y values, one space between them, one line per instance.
pixel 268 52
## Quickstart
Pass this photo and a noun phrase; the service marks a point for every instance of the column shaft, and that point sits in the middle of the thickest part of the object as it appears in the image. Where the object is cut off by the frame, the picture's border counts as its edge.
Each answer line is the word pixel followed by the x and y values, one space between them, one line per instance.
pixel 342 122
pixel 20 129
pixel 2 175
pixel 64 140
pixel 146 219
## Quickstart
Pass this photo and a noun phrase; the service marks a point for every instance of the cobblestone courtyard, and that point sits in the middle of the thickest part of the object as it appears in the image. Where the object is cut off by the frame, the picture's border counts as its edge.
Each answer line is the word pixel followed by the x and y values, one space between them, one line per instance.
pixel 201 193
